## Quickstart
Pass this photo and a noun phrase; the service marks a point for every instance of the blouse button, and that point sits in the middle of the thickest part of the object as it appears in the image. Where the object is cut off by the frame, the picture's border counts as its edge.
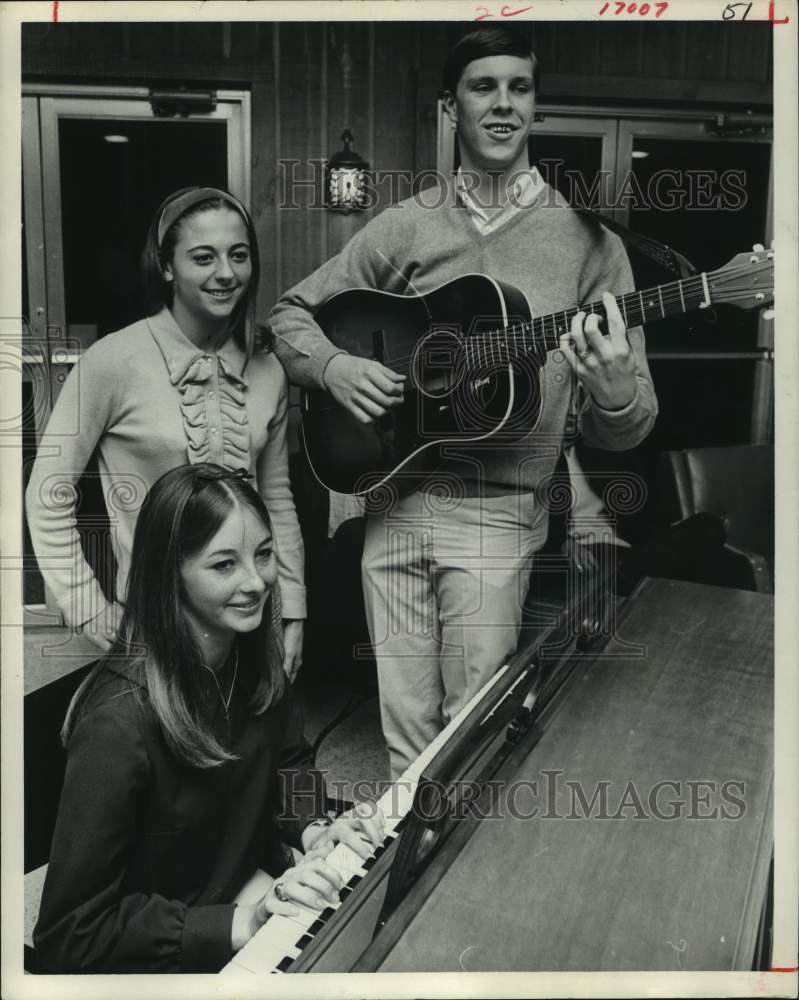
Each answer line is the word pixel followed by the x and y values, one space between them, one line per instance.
pixel 214 430
pixel 211 395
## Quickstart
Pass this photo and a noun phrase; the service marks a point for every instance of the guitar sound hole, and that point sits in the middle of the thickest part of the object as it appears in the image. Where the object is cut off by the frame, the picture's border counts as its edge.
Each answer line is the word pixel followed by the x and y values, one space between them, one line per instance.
pixel 437 365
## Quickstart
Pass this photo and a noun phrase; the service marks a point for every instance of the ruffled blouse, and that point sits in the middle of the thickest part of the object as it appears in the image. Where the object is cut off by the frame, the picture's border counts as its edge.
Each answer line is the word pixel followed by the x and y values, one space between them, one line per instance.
pixel 212 391
pixel 146 400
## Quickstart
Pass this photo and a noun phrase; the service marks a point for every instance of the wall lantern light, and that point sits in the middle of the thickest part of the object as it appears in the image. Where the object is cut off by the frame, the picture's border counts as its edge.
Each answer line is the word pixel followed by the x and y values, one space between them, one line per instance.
pixel 346 179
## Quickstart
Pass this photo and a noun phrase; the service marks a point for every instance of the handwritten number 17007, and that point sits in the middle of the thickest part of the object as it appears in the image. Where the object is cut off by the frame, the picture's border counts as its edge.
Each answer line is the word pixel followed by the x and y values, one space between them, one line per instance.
pixel 621 7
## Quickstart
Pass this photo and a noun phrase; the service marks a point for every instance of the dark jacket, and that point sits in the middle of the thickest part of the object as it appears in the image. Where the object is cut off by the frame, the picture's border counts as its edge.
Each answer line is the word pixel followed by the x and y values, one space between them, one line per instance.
pixel 148 852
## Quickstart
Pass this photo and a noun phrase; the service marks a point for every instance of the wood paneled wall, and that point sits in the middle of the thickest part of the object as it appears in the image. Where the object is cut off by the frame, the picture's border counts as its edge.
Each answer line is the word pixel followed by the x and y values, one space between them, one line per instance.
pixel 311 80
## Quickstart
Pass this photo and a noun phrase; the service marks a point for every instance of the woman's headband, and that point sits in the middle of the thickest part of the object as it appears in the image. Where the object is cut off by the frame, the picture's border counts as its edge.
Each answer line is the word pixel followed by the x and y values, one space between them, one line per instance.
pixel 173 211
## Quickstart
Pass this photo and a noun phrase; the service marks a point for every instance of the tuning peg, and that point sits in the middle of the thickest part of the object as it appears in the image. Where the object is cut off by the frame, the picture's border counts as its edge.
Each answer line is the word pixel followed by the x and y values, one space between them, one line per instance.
pixel 768 314
pixel 758 247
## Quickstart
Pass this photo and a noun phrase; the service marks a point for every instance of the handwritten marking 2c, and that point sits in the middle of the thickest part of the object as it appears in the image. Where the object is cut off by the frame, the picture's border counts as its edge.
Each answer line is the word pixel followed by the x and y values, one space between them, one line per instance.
pixel 505 11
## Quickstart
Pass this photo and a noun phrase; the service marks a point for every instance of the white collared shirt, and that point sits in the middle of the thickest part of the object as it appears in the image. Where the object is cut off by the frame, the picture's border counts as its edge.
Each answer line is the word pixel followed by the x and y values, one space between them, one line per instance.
pixel 527 186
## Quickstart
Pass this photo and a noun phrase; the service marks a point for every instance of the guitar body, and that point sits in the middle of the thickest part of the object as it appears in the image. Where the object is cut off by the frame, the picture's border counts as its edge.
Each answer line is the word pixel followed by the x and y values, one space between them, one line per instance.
pixel 453 394
pixel 472 356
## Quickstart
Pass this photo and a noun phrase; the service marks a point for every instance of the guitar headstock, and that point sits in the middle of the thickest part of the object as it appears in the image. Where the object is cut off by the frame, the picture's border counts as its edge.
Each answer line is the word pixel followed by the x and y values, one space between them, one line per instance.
pixel 747 281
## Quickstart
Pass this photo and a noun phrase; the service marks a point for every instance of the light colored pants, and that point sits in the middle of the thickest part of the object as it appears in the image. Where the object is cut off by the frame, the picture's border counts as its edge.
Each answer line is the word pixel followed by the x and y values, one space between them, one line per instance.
pixel 444 584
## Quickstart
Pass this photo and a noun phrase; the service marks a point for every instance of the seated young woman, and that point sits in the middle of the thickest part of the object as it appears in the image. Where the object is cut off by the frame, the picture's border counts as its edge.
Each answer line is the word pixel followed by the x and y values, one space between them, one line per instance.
pixel 187 770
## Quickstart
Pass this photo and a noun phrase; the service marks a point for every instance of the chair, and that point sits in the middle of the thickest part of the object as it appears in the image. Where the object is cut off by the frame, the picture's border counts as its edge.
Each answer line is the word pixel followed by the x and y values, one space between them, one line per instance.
pixel 737 485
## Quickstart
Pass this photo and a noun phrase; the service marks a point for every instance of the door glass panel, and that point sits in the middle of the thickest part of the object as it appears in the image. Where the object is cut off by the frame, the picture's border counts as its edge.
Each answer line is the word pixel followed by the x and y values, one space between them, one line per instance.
pixel 109 191
pixel 707 199
pixel 571 164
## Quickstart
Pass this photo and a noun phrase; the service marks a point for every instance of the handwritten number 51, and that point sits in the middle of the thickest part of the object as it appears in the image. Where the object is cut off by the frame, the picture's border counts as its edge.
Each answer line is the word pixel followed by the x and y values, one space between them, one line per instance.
pixel 731 11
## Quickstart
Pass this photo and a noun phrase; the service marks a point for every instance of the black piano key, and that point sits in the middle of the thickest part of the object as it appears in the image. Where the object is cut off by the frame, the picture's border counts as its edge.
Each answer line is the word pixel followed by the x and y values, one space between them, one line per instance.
pixel 353 882
pixel 369 862
pixel 317 925
pixel 344 892
pixel 284 964
pixel 326 914
pixel 304 940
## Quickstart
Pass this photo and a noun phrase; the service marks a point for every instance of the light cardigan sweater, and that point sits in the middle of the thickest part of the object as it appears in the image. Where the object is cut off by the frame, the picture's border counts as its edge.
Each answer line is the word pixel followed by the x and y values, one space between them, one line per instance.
pixel 555 257
pixel 147 400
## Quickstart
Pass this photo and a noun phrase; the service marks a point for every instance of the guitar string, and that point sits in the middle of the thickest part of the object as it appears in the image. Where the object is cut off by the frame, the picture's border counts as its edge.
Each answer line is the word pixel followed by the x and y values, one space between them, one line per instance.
pixel 670 294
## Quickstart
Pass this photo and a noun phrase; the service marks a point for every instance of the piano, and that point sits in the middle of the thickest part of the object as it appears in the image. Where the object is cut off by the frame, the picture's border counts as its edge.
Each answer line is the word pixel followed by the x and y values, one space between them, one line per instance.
pixel 604 803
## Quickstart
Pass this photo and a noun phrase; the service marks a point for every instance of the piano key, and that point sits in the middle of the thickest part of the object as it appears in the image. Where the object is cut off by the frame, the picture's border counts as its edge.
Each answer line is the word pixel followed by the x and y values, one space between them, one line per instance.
pixel 261 954
pixel 264 955
pixel 284 933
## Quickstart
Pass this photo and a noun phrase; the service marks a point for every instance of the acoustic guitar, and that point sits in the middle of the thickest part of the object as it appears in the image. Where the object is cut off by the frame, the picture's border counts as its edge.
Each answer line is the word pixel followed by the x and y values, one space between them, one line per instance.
pixel 472 355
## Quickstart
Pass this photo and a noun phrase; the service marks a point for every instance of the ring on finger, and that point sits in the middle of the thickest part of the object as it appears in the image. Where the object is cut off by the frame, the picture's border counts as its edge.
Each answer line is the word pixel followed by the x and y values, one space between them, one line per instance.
pixel 584 355
pixel 280 892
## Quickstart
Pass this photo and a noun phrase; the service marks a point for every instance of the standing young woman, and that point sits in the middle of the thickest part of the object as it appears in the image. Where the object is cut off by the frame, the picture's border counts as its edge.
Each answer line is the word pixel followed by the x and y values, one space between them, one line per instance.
pixel 182 745
pixel 182 385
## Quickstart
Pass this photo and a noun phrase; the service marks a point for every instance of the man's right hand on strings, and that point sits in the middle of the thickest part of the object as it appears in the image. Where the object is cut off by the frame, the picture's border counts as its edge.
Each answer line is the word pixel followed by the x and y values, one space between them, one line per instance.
pixel 365 387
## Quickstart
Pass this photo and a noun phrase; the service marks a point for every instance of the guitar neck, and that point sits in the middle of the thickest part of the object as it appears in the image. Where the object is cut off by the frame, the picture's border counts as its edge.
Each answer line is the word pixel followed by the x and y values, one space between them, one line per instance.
pixel 636 308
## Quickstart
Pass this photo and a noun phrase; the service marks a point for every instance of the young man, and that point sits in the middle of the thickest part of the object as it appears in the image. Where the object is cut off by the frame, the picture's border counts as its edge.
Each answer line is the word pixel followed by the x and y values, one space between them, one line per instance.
pixel 445 578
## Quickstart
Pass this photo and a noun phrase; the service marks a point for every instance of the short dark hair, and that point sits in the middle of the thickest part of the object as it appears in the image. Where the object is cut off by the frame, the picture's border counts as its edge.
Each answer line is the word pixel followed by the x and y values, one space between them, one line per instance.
pixel 158 291
pixel 498 40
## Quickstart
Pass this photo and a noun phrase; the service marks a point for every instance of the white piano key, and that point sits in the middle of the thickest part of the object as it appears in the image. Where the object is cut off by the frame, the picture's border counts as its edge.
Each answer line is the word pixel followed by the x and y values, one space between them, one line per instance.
pixel 267 958
pixel 259 956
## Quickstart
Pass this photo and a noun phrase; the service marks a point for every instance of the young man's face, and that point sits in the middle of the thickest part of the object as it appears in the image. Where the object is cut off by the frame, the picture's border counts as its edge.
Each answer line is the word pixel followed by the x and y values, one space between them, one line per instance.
pixel 493 108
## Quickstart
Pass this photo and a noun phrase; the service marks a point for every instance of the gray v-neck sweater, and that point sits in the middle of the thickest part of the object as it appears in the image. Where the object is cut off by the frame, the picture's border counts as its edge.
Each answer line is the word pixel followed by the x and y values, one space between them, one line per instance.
pixel 556 258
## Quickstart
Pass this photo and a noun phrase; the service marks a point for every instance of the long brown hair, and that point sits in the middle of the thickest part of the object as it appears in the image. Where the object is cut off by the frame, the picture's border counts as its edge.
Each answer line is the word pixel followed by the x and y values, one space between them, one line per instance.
pixel 181 513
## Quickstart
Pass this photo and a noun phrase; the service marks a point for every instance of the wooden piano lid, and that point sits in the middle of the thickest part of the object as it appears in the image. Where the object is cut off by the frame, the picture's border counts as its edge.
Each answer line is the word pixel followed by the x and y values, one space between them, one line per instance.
pixel 682 696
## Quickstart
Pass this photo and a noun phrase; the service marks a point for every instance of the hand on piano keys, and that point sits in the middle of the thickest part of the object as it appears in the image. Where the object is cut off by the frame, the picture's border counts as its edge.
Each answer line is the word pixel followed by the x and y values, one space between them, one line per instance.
pixel 361 828
pixel 282 938
pixel 311 882
pixel 335 857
